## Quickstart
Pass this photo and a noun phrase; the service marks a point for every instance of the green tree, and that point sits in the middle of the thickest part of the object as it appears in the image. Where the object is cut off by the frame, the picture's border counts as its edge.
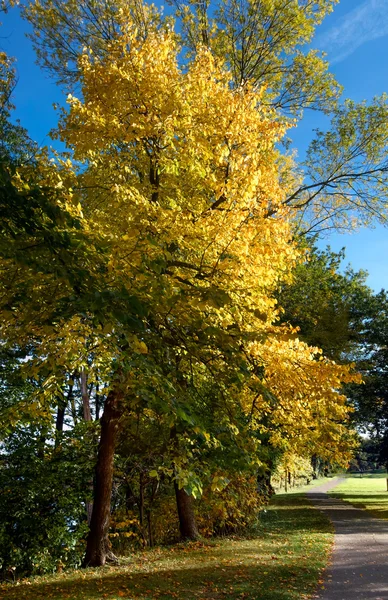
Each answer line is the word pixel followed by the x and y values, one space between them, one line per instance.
pixel 42 505
pixel 370 401
pixel 329 307
pixel 338 312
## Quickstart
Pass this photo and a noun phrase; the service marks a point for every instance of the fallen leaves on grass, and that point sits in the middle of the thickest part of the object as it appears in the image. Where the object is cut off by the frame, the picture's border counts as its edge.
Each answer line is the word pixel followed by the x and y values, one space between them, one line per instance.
pixel 280 562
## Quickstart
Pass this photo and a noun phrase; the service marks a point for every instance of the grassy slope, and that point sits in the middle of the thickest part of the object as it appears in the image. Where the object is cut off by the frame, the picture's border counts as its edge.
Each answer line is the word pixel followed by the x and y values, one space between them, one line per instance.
pixel 367 491
pixel 283 561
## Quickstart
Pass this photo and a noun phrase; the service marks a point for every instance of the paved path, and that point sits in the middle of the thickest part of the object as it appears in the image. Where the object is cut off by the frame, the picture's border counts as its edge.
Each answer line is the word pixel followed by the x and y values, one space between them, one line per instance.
pixel 359 569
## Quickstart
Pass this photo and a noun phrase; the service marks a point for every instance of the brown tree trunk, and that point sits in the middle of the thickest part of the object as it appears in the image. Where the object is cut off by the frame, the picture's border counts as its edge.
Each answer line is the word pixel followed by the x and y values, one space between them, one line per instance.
pixel 264 486
pixel 85 396
pixel 187 524
pixel 98 545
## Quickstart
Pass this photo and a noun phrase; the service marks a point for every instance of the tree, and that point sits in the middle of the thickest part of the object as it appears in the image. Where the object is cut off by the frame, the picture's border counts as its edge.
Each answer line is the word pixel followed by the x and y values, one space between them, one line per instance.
pixel 51 271
pixel 328 306
pixel 42 506
pixel 370 401
pixel 174 153
pixel 261 41
pixel 339 313
pixel 182 184
pixel 344 176
pixel 343 181
pixel 15 143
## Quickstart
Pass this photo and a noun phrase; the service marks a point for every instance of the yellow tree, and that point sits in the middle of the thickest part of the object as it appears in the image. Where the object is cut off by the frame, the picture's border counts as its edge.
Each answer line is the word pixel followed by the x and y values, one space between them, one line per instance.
pixel 181 180
pixel 343 181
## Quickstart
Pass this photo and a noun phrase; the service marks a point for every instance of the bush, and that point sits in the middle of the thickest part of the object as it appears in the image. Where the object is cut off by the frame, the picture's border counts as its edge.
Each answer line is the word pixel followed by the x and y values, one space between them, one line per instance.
pixel 231 510
pixel 42 508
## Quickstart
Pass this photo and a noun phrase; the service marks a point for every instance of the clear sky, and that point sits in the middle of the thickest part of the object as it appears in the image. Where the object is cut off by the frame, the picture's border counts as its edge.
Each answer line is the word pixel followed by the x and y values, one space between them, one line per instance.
pixel 355 38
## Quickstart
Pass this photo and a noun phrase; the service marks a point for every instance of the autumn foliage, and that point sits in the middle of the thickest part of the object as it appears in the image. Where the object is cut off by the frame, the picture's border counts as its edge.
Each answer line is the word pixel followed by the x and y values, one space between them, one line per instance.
pixel 153 303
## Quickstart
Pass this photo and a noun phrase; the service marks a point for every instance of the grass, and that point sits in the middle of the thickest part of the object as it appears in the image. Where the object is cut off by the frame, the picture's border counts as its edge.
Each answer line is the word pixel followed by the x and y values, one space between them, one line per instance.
pixel 367 491
pixel 282 561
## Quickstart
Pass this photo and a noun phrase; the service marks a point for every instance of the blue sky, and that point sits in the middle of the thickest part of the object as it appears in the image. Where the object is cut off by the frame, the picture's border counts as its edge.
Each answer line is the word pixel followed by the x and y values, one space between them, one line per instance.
pixel 355 38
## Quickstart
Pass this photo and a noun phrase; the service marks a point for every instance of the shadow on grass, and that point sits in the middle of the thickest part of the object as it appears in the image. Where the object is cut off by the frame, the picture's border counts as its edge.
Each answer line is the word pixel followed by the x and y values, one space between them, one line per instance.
pixel 281 516
pixel 382 496
pixel 375 504
pixel 282 561
pixel 379 474
pixel 255 582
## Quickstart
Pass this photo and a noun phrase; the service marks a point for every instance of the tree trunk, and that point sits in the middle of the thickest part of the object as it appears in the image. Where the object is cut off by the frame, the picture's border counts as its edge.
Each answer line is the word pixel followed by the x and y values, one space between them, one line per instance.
pixel 59 422
pixel 264 486
pixel 85 396
pixel 60 416
pixel 150 532
pixel 87 417
pixel 141 499
pixel 187 524
pixel 97 396
pixel 41 444
pixel 98 545
pixel 73 408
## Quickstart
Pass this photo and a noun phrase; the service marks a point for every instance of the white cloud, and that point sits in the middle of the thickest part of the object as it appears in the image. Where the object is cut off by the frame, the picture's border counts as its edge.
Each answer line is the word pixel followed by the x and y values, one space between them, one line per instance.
pixel 368 21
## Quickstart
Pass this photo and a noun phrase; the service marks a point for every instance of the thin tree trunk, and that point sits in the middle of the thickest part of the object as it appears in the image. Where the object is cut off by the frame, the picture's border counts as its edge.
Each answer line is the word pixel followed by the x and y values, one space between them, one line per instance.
pixel 155 488
pixel 87 417
pixel 41 444
pixel 141 499
pixel 150 532
pixel 187 524
pixel 89 506
pixel 314 464
pixel 59 422
pixel 98 545
pixel 85 396
pixel 72 406
pixel 97 396
pixel 60 415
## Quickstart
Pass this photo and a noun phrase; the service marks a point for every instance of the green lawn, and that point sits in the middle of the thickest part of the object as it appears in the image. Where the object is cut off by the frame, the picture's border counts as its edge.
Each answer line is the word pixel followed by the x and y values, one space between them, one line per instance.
pixel 367 491
pixel 282 561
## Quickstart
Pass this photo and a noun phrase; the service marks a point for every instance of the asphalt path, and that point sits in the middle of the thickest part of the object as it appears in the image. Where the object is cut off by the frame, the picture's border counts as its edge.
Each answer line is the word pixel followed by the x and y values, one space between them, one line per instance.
pixel 359 568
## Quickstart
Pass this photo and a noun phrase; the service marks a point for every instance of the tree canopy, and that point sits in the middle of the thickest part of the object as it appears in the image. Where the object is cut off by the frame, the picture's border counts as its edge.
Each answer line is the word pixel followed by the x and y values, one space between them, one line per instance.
pixel 153 285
